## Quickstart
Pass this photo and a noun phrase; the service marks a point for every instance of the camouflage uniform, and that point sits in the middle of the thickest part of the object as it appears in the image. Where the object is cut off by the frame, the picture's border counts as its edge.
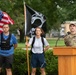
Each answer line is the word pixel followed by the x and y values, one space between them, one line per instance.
pixel 70 40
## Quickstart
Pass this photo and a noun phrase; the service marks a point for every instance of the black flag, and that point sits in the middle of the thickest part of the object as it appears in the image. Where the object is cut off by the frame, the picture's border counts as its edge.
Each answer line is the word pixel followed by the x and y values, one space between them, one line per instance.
pixel 33 19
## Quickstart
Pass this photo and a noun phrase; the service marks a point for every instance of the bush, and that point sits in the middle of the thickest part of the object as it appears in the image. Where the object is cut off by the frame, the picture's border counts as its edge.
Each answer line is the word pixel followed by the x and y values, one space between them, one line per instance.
pixel 52 63
pixel 20 63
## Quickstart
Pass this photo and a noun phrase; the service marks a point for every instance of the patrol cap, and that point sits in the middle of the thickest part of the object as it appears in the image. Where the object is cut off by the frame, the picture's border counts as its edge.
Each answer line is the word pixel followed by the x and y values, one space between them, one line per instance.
pixel 72 24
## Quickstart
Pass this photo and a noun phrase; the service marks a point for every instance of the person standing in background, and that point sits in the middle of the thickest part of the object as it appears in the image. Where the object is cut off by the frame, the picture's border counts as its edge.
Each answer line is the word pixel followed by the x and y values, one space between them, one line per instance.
pixel 8 43
pixel 70 39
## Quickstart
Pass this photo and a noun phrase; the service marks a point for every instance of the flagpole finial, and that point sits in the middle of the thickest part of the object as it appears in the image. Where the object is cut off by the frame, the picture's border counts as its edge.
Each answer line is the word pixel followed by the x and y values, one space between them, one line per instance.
pixel 24 2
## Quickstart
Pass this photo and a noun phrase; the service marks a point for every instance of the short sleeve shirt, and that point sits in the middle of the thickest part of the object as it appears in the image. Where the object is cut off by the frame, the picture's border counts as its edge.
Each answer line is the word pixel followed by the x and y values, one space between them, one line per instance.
pixel 13 40
pixel 38 45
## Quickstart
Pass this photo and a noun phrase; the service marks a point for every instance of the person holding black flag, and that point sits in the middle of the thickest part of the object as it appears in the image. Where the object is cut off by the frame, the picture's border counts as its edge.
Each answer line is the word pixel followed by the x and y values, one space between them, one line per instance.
pixel 38 46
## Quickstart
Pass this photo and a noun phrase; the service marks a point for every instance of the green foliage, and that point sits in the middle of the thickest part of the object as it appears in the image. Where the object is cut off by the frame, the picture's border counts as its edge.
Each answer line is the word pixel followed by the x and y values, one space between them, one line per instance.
pixel 66 9
pixel 20 63
pixel 56 12
pixel 51 67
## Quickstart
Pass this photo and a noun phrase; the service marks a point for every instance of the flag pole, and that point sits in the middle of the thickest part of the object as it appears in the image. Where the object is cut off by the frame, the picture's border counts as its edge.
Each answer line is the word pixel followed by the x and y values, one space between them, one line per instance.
pixel 27 56
pixel 26 46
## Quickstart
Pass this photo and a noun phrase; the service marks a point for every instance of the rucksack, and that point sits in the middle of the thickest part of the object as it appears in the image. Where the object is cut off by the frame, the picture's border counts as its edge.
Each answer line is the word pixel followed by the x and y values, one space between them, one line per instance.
pixel 42 39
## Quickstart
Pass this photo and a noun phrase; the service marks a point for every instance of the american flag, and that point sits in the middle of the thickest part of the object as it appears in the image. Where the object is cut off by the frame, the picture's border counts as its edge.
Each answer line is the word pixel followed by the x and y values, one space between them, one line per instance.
pixel 4 19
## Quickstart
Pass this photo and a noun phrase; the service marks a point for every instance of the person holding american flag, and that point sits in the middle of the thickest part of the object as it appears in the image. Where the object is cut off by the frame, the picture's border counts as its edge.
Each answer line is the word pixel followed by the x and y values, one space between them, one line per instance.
pixel 8 43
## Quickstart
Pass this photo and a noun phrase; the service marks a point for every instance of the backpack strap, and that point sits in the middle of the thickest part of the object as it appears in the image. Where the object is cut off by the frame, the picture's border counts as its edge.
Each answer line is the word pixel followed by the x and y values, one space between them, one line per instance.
pixel 42 39
pixel 10 35
pixel 33 42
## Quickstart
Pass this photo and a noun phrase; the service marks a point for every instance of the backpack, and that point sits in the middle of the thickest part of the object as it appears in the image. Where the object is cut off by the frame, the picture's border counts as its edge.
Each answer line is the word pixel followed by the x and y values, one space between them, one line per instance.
pixel 42 39
pixel 5 44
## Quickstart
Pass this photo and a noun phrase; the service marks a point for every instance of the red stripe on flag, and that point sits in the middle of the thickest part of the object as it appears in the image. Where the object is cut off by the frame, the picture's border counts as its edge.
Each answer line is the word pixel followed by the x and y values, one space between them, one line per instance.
pixel 1 30
pixel 1 26
pixel 6 19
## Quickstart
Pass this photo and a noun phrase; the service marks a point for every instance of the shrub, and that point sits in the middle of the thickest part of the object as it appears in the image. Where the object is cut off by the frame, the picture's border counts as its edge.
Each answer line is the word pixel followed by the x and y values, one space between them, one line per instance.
pixel 52 63
pixel 20 63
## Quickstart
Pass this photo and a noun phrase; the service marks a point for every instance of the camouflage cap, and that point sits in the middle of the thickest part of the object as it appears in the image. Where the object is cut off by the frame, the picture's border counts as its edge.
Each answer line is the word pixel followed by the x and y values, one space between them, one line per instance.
pixel 72 24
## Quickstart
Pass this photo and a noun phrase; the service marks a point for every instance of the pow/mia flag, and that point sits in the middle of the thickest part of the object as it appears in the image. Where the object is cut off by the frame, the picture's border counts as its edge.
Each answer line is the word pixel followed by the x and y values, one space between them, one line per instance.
pixel 33 19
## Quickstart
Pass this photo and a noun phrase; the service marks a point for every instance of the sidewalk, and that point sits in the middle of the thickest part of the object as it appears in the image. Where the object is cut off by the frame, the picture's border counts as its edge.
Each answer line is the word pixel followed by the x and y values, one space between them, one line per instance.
pixel 30 48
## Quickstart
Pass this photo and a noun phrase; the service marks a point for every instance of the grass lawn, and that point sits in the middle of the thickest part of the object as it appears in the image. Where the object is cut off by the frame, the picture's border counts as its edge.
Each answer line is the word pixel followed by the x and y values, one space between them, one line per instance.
pixel 52 43
pixel 21 45
pixel 60 42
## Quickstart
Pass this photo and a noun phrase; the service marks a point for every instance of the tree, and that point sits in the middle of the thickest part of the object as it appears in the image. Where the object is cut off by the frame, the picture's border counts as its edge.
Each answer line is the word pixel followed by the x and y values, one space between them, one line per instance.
pixel 16 10
pixel 56 12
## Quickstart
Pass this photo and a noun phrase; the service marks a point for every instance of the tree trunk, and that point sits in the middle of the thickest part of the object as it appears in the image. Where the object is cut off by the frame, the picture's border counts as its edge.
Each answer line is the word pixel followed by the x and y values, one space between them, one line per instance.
pixel 21 35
